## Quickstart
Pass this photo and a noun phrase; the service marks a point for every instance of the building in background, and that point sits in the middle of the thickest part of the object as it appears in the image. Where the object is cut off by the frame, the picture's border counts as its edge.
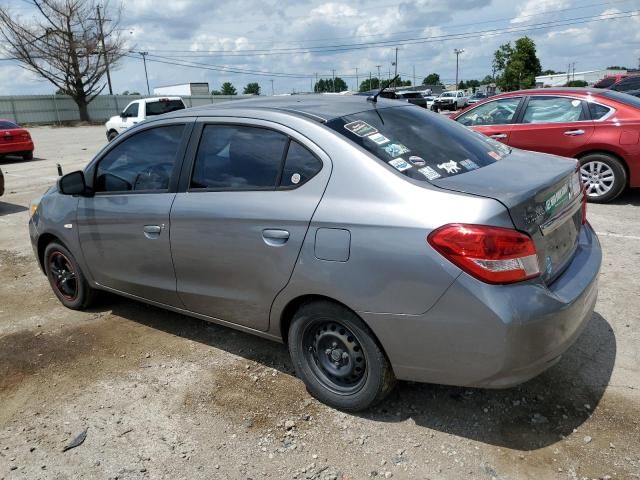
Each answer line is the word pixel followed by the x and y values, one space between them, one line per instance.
pixel 184 90
pixel 561 79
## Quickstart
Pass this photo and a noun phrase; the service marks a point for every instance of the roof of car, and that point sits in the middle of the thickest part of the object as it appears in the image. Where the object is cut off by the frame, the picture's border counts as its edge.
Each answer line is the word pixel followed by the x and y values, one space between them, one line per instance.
pixel 316 106
pixel 558 90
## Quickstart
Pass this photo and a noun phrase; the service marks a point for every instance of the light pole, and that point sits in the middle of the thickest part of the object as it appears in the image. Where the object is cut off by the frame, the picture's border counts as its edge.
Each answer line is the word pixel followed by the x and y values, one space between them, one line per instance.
pixel 395 64
pixel 379 78
pixel 457 51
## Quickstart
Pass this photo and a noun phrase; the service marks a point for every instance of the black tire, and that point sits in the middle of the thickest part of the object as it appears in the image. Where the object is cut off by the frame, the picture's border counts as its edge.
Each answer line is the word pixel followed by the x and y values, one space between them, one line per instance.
pixel 325 338
pixel 27 156
pixel 603 176
pixel 111 135
pixel 66 278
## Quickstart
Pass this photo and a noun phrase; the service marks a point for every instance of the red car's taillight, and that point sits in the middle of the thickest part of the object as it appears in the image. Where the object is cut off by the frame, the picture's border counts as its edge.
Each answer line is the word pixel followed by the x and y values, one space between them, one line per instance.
pixel 491 254
pixel 25 136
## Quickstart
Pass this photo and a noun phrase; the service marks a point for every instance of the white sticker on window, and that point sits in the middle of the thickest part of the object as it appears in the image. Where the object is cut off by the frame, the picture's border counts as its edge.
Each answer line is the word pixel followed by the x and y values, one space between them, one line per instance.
pixel 360 128
pixel 378 138
pixel 575 103
pixel 295 178
pixel 399 164
pixel 417 161
pixel 430 173
pixel 469 164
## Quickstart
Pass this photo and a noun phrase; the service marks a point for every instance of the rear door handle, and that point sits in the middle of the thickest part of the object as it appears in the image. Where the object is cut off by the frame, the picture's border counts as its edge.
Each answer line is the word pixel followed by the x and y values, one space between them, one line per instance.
pixel 275 237
pixel 574 133
pixel 498 135
pixel 152 231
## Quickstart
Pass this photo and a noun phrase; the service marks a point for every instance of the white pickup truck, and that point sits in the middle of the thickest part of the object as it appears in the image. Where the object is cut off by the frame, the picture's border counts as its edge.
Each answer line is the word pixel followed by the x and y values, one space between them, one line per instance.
pixel 140 110
pixel 452 100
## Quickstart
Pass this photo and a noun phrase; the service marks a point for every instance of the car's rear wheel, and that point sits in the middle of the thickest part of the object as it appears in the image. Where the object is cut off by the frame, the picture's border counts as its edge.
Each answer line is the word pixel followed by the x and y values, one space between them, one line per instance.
pixel 27 156
pixel 111 135
pixel 338 358
pixel 604 177
pixel 66 279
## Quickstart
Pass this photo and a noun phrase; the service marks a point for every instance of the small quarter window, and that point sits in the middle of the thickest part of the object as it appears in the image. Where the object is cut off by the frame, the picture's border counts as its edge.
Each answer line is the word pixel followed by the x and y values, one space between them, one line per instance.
pixel 300 166
pixel 598 111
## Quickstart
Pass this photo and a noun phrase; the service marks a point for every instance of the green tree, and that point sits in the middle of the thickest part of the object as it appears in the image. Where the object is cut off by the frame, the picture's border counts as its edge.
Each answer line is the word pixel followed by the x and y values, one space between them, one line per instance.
pixel 330 85
pixel 228 89
pixel 616 67
pixel 576 83
pixel 487 79
pixel 369 84
pixel 216 92
pixel 517 65
pixel 431 79
pixel 252 88
pixel 549 72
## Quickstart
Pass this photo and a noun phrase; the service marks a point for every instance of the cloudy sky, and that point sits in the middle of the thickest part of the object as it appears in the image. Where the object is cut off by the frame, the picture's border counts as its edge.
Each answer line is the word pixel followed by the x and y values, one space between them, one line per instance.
pixel 289 42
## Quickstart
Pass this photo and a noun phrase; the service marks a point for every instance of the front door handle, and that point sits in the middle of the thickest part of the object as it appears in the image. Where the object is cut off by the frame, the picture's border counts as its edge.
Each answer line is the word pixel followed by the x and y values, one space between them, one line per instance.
pixel 275 237
pixel 498 135
pixel 152 231
pixel 574 133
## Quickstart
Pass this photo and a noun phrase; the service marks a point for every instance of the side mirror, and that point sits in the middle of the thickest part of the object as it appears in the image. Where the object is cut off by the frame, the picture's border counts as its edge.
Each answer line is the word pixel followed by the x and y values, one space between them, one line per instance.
pixel 123 115
pixel 72 184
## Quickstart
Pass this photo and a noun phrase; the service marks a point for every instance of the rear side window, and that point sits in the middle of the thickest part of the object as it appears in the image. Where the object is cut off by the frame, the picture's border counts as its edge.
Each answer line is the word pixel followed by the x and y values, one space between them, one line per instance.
pixel 498 112
pixel 142 162
pixel 4 125
pixel 300 166
pixel 553 110
pixel 233 157
pixel 598 111
pixel 421 145
pixel 163 106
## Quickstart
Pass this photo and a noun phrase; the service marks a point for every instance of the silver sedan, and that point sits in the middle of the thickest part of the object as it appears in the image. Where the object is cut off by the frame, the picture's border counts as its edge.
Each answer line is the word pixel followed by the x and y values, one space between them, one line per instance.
pixel 378 240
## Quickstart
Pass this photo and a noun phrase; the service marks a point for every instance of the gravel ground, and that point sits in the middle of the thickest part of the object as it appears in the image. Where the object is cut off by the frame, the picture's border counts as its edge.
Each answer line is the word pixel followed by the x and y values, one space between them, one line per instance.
pixel 159 395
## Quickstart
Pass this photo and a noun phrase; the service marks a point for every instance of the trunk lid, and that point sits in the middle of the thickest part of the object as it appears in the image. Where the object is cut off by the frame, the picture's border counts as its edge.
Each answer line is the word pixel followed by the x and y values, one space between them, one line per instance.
pixel 543 196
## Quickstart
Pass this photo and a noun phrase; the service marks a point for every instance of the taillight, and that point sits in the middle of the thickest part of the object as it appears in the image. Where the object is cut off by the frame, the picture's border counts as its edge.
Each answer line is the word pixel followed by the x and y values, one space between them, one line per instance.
pixel 491 254
pixel 25 136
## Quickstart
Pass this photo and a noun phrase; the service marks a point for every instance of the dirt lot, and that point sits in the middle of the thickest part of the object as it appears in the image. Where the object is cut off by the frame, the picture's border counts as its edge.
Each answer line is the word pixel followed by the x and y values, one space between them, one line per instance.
pixel 166 396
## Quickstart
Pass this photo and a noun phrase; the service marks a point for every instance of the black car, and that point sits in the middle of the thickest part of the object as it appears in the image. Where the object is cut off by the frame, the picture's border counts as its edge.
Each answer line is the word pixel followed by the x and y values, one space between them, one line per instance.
pixel 411 97
pixel 630 85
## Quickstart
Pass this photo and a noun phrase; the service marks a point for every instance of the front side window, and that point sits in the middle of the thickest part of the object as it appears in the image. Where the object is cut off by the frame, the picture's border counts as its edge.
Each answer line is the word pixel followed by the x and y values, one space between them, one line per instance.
pixel 132 110
pixel 233 157
pixel 498 112
pixel 142 162
pixel 553 110
pixel 421 145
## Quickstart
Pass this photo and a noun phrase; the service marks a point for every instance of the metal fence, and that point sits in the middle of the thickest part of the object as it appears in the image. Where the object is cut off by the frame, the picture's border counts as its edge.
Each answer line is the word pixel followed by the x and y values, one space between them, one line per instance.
pixel 48 109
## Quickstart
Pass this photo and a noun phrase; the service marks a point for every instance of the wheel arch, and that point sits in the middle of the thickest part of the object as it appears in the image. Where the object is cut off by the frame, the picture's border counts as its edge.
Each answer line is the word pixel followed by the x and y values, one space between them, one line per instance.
pixel 44 240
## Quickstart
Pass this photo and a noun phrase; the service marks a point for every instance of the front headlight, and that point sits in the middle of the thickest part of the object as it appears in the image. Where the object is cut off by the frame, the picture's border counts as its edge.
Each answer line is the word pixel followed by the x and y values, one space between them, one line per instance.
pixel 33 207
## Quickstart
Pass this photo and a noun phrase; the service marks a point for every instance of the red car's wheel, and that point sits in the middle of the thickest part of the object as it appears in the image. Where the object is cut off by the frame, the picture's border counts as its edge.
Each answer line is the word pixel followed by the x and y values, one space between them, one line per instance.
pixel 603 176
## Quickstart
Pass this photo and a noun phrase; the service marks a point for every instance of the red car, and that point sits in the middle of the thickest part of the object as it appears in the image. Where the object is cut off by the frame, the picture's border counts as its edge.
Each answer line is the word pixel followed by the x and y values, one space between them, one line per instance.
pixel 15 140
pixel 601 128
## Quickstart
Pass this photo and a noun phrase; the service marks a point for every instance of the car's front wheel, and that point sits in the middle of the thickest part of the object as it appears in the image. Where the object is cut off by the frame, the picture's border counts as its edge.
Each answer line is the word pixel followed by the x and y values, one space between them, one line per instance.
pixel 66 279
pixel 111 135
pixel 338 358
pixel 603 176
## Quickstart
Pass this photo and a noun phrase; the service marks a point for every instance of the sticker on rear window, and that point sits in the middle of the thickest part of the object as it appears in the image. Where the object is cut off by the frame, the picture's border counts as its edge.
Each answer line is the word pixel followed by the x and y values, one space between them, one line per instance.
pixel 430 173
pixel 417 161
pixel 450 167
pixel 494 155
pixel 395 149
pixel 378 138
pixel 399 164
pixel 469 164
pixel 360 128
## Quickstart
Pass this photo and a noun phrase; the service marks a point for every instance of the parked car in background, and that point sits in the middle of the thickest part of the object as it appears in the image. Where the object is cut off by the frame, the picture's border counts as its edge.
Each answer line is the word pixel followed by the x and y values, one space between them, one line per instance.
pixel 15 140
pixel 430 99
pixel 476 97
pixel 140 110
pixel 415 98
pixel 599 127
pixel 629 85
pixel 302 219
pixel 452 100
pixel 610 80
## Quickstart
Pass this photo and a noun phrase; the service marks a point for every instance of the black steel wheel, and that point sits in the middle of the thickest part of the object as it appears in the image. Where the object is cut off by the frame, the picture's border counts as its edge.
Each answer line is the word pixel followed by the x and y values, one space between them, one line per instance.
pixel 66 278
pixel 338 357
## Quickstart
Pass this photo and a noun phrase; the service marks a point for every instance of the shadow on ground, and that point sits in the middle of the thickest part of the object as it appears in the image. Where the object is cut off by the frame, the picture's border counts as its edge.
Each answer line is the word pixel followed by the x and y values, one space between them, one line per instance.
pixel 631 196
pixel 531 416
pixel 9 208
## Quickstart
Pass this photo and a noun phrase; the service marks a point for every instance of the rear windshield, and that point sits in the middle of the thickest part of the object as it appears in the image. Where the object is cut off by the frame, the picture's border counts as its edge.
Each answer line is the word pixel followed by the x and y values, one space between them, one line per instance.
pixel 421 145
pixel 7 125
pixel 410 94
pixel 605 82
pixel 163 106
pixel 622 98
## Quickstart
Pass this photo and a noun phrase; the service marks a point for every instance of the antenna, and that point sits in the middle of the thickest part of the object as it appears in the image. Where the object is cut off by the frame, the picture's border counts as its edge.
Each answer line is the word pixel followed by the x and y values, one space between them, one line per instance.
pixel 374 98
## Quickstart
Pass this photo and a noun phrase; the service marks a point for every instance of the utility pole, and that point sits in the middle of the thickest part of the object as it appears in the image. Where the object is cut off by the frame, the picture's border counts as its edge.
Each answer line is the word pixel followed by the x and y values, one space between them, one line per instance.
pixel 316 84
pixel 395 64
pixel 568 73
pixel 457 51
pixel 574 71
pixel 379 76
pixel 272 91
pixel 333 81
pixel 146 75
pixel 357 86
pixel 414 75
pixel 104 49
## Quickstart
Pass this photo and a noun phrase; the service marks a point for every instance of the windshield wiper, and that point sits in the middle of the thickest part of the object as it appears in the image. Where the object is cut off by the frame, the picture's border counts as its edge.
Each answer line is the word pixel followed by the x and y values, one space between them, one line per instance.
pixel 374 98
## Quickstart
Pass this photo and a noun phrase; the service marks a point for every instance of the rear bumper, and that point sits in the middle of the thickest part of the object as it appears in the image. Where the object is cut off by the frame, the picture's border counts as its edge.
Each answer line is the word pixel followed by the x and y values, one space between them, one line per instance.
pixel 494 336
pixel 16 147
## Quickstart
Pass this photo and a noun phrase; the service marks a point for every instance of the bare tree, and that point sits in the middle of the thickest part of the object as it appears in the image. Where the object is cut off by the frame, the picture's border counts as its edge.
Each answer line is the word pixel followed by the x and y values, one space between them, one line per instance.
pixel 63 43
